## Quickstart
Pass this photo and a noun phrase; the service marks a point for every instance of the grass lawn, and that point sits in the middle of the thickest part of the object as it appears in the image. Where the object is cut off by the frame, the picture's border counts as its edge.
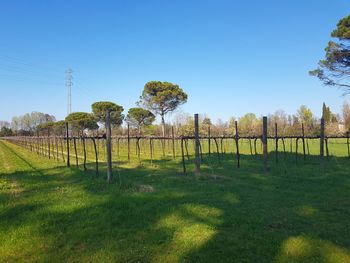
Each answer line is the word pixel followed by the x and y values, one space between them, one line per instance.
pixel 153 213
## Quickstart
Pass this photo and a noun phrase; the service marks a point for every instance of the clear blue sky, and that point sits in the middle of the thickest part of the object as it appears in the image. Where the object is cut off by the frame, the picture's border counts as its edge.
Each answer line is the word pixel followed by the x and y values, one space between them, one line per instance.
pixel 231 57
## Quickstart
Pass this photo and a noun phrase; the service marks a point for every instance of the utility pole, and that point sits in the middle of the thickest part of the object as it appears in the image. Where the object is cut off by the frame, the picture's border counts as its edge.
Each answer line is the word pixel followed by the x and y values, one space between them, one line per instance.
pixel 69 84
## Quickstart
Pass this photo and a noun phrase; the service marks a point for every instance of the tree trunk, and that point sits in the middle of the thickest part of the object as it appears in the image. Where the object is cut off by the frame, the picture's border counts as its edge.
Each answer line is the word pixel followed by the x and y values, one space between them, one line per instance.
pixel 163 125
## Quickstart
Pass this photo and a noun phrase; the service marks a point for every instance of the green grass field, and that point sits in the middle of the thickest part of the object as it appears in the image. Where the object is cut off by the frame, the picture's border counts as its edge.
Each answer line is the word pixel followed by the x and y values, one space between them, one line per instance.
pixel 297 212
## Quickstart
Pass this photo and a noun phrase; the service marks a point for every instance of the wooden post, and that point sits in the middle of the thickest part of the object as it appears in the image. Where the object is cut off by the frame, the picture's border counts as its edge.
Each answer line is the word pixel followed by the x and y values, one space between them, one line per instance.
pixel 173 140
pixel 75 151
pixel 296 149
pixel 118 148
pixel 322 141
pixel 84 150
pixel 61 144
pixel 163 146
pixel 250 147
pixel 237 147
pixel 109 146
pixel 56 144
pixel 303 140
pixel 128 142
pixel 196 137
pixel 284 146
pixel 222 147
pixel 209 140
pixel 264 142
pixel 48 142
pixel 183 156
pixel 276 142
pixel 138 149
pixel 217 149
pixel 347 142
pixel 186 147
pixel 96 155
pixel 67 139
pixel 151 149
pixel 255 151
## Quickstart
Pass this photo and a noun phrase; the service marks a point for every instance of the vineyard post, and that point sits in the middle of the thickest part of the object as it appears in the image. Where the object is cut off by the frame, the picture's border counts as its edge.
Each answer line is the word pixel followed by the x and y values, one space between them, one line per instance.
pixel 56 143
pixel 96 155
pixel 138 149
pixel 75 151
pixel 173 140
pixel 237 147
pixel 276 141
pixel 296 149
pixel 67 139
pixel 347 142
pixel 322 141
pixel 303 140
pixel 109 146
pixel 128 142
pixel 151 150
pixel 196 138
pixel 118 148
pixel 61 144
pixel 183 156
pixel 48 142
pixel 84 150
pixel 209 139
pixel 264 142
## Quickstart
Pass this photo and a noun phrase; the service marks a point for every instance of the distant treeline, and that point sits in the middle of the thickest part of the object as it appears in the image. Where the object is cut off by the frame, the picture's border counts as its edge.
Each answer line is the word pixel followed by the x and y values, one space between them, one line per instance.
pixel 37 123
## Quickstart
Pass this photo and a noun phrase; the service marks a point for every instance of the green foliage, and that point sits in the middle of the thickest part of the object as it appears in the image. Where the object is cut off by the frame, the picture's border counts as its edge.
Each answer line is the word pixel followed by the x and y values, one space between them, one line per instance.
pixel 187 127
pixel 80 121
pixel 99 110
pixel 232 126
pixel 45 127
pixel 281 119
pixel 162 97
pixel 29 121
pixel 5 132
pixel 249 124
pixel 150 130
pixel 139 117
pixel 334 70
pixel 343 29
pixel 206 121
pixel 305 115
pixel 59 127
pixel 346 115
pixel 327 115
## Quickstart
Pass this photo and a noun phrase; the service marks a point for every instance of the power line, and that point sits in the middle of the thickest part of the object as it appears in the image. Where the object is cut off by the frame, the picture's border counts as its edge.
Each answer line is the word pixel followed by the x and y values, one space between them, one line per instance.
pixel 69 84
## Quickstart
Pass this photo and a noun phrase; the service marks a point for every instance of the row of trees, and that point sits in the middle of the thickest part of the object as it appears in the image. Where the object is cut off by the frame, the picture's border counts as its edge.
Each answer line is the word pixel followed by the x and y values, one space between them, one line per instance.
pixel 141 122
pixel 250 124
pixel 29 121
pixel 158 98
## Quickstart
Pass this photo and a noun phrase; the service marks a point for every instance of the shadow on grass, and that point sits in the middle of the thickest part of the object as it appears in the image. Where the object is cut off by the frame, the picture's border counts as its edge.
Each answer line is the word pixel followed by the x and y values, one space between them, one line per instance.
pixel 294 212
